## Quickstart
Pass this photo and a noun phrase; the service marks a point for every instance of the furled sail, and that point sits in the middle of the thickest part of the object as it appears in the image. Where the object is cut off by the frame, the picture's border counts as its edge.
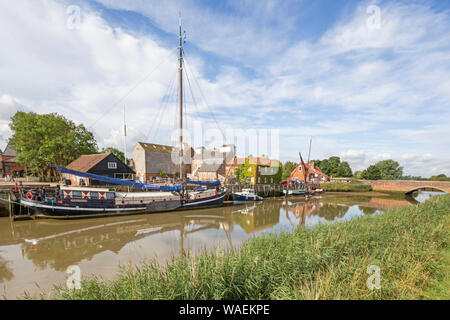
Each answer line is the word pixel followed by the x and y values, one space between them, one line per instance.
pixel 128 183
pixel 205 183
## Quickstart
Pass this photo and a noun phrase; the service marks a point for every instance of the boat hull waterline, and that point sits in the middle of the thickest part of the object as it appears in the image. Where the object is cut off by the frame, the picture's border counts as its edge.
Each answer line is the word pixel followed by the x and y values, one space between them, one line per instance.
pixel 43 209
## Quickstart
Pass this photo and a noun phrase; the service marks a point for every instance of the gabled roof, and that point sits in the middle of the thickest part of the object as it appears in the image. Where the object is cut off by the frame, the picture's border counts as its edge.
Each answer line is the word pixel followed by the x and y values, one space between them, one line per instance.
pixel 9 152
pixel 87 161
pixel 153 147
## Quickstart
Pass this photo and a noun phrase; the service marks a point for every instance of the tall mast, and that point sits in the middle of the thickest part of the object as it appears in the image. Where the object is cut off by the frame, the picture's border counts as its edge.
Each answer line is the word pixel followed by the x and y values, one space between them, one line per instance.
pixel 124 137
pixel 180 72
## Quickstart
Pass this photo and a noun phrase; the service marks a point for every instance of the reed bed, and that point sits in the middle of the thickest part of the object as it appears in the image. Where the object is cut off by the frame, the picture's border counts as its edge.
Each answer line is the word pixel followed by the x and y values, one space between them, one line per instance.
pixel 330 261
pixel 345 187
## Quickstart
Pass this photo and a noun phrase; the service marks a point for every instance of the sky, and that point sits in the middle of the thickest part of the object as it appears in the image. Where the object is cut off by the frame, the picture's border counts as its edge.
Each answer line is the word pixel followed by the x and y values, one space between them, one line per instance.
pixel 366 80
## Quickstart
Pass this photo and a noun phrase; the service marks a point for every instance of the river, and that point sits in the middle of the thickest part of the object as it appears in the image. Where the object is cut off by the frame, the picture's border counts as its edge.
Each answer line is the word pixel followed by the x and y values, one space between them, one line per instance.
pixel 35 255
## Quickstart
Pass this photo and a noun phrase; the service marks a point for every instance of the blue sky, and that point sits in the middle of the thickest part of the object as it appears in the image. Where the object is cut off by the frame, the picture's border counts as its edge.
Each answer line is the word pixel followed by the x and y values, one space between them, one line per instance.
pixel 367 80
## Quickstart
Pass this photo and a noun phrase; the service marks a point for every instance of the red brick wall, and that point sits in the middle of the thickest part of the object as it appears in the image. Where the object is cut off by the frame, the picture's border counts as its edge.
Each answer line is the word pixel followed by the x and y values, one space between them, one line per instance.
pixel 406 185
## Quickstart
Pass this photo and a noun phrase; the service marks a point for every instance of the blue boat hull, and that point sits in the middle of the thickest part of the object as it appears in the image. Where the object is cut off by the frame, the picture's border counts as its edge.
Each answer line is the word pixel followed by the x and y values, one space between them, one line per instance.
pixel 240 197
pixel 211 202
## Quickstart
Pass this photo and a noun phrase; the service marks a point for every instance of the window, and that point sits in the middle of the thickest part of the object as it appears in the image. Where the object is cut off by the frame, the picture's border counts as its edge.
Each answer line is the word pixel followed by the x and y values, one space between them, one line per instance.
pixel 271 180
pixel 299 168
pixel 109 196
pixel 76 194
pixel 112 165
pixel 94 195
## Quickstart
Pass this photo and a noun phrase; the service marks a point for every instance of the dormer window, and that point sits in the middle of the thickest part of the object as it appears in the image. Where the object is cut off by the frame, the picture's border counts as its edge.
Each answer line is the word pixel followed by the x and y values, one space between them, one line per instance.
pixel 112 165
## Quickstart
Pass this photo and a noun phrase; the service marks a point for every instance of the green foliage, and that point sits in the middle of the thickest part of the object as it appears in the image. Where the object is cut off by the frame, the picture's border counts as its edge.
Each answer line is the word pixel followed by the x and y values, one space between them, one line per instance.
pixel 358 175
pixel 440 177
pixel 119 154
pixel 239 173
pixel 45 141
pixel 345 187
pixel 329 261
pixel 161 173
pixel 371 173
pixel 333 167
pixel 389 169
pixel 287 168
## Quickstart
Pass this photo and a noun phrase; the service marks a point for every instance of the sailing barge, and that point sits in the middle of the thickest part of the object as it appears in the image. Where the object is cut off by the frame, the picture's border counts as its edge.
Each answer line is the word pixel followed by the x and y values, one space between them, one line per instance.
pixel 70 201
pixel 74 201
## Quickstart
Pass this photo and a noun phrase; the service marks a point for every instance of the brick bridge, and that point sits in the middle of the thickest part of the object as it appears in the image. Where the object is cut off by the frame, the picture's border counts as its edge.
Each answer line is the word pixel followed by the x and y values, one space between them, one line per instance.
pixel 408 186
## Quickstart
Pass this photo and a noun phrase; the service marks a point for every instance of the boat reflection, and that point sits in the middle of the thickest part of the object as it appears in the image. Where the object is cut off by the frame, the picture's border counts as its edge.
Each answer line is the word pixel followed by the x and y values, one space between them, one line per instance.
pixel 59 244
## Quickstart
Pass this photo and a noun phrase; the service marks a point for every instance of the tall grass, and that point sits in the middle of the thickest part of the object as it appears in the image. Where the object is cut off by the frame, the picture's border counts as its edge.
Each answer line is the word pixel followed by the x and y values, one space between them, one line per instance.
pixel 345 187
pixel 327 262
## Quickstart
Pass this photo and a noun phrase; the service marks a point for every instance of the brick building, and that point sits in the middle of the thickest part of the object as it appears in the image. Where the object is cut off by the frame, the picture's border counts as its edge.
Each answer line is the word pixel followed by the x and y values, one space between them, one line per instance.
pixel 8 165
pixel 314 173
pixel 150 160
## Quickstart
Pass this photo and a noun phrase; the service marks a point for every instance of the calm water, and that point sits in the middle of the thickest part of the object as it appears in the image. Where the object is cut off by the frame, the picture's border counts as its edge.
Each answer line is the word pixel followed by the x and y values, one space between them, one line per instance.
pixel 34 255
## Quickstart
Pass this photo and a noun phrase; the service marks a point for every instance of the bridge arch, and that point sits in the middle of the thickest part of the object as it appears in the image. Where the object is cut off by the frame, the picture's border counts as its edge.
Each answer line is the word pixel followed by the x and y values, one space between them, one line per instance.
pixel 425 187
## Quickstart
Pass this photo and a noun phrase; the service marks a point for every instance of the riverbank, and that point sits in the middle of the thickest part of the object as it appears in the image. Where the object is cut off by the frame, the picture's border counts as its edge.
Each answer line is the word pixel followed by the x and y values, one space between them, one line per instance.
pixel 345 187
pixel 329 261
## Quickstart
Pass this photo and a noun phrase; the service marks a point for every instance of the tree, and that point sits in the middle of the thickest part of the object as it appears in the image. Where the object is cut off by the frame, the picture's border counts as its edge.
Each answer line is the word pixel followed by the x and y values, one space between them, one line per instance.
pixel 119 154
pixel 45 141
pixel 344 170
pixel 239 173
pixel 371 173
pixel 389 169
pixel 440 177
pixel 287 168
pixel 334 167
pixel 358 175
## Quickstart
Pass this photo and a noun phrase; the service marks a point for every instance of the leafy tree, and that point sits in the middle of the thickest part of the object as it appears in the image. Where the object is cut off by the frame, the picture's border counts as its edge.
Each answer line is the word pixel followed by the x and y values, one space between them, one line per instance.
pixel 119 154
pixel 334 167
pixel 371 173
pixel 389 169
pixel 287 168
pixel 240 174
pixel 45 141
pixel 344 170
pixel 440 177
pixel 358 174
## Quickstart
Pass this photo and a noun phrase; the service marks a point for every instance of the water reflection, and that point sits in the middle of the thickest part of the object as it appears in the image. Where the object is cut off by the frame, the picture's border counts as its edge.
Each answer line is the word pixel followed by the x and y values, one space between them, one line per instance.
pixel 422 195
pixel 40 251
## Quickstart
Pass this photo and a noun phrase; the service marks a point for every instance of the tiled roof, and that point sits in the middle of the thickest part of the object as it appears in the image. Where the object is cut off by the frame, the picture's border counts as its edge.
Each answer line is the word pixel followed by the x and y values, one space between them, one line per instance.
pixel 155 147
pixel 262 161
pixel 86 162
pixel 236 161
pixel 9 152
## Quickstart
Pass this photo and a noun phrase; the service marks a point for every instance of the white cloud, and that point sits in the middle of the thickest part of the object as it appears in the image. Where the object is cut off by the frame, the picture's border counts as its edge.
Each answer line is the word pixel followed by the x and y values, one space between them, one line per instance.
pixel 351 89
pixel 8 107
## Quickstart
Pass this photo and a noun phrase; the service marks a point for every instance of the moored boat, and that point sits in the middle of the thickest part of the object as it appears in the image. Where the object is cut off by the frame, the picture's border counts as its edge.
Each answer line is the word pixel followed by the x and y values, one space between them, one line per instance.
pixel 299 192
pixel 246 195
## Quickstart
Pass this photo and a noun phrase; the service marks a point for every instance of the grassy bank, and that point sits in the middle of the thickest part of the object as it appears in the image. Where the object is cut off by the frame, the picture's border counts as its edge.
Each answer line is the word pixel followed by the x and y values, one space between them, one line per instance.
pixel 345 187
pixel 410 245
